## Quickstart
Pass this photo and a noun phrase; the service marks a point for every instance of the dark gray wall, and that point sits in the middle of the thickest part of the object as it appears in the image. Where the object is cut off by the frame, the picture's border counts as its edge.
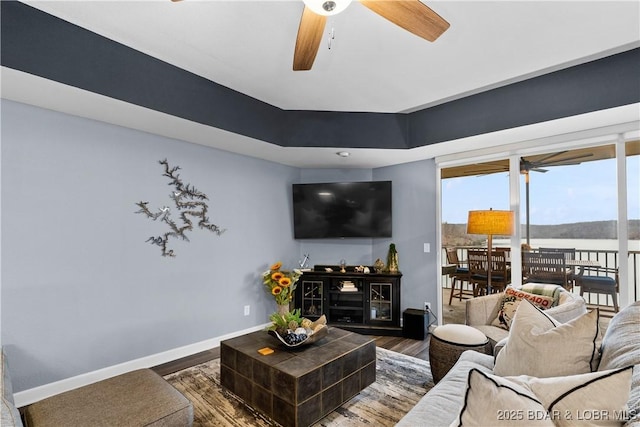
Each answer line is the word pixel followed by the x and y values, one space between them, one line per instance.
pixel 41 44
pixel 597 85
pixel 81 290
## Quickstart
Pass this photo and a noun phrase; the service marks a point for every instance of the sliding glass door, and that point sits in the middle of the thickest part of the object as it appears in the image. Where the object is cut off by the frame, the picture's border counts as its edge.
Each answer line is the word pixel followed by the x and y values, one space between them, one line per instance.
pixel 571 204
pixel 566 198
pixel 479 186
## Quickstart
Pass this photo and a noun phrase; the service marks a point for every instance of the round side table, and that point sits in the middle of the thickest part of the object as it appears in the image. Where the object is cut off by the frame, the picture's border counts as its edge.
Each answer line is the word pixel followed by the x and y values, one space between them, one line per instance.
pixel 448 342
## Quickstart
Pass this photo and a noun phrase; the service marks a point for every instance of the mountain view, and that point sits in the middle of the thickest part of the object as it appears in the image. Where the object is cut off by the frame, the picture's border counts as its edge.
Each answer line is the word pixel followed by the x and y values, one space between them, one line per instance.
pixel 456 234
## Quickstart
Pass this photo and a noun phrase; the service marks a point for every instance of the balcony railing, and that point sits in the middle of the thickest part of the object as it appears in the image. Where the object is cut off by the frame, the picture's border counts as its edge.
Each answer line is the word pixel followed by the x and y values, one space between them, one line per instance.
pixel 606 258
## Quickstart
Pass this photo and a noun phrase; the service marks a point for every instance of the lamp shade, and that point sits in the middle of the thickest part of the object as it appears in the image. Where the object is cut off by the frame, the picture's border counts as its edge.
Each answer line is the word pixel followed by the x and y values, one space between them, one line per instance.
pixel 490 222
pixel 327 7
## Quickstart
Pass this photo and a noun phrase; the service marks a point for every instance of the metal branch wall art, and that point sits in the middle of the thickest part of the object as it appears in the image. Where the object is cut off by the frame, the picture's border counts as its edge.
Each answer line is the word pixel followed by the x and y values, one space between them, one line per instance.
pixel 189 202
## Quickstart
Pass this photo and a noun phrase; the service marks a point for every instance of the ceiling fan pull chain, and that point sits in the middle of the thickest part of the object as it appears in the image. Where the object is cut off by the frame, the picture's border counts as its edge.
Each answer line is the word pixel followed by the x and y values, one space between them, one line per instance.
pixel 332 35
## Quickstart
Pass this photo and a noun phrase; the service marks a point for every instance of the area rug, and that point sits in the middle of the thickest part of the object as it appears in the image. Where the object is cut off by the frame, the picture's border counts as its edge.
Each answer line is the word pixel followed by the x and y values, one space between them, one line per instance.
pixel 400 382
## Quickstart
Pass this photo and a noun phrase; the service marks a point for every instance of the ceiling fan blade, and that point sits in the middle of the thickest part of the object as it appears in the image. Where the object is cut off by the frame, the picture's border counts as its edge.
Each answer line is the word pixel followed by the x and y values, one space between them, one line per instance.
pixel 548 157
pixel 308 40
pixel 527 165
pixel 412 15
pixel 560 162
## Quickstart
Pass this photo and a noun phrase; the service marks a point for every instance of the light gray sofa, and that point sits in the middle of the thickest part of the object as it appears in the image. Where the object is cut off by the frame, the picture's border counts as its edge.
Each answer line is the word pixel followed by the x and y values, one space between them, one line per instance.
pixel 620 348
pixel 480 312
pixel 10 417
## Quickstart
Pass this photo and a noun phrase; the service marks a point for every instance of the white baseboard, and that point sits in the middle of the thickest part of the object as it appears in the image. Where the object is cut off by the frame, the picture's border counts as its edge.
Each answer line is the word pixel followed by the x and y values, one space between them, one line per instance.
pixel 26 397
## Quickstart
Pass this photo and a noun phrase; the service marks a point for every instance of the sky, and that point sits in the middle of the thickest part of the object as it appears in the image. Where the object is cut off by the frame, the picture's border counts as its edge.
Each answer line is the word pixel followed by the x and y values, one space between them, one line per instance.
pixel 564 194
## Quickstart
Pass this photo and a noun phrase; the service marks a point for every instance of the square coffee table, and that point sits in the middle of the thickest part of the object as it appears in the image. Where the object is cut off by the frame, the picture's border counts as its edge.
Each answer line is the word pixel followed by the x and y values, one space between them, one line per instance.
pixel 297 387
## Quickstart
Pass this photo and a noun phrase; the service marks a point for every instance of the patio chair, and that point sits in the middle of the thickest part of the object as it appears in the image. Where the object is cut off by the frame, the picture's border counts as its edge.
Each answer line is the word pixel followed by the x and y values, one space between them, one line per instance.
pixel 569 255
pixel 461 273
pixel 599 281
pixel 545 267
pixel 478 270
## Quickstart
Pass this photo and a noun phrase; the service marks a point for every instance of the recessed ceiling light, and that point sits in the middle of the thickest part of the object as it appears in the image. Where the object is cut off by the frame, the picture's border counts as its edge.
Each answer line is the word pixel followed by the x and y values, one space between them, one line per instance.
pixel 343 153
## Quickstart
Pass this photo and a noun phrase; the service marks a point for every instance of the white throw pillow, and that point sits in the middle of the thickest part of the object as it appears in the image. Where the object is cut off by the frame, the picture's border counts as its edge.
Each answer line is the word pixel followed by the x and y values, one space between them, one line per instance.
pixel 540 346
pixel 593 399
pixel 494 401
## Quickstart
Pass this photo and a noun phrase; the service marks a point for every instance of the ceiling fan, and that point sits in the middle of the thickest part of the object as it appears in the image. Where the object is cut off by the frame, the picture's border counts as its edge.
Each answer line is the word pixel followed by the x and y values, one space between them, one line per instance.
pixel 412 15
pixel 535 163
pixel 539 164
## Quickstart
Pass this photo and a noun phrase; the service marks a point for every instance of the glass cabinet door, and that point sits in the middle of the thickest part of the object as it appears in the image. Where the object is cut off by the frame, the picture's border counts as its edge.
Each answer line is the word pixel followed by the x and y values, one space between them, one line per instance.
pixel 381 302
pixel 346 301
pixel 312 298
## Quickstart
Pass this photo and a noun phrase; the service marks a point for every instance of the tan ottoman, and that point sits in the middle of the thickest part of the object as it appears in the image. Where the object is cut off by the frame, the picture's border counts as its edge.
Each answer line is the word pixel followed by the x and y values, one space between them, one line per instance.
pixel 448 342
pixel 137 398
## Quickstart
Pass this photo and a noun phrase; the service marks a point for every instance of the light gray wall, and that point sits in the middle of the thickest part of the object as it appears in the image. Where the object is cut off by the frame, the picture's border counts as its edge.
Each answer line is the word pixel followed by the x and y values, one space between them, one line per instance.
pixel 80 288
pixel 414 224
pixel 414 213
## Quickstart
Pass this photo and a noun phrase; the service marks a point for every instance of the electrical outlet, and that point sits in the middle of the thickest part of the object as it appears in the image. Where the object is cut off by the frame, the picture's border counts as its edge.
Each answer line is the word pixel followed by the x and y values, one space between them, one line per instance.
pixel 247 310
pixel 427 306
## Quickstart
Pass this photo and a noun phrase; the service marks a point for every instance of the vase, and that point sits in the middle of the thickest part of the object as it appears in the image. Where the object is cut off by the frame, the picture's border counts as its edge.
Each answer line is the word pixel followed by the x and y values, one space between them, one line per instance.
pixel 393 264
pixel 283 309
pixel 392 259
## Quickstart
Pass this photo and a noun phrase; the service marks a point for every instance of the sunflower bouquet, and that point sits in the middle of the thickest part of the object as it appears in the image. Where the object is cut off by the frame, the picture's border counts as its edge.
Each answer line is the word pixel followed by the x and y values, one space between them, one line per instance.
pixel 281 283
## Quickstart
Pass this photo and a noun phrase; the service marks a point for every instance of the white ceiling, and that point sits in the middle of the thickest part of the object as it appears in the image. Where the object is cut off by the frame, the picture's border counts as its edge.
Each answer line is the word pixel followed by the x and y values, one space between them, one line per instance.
pixel 373 65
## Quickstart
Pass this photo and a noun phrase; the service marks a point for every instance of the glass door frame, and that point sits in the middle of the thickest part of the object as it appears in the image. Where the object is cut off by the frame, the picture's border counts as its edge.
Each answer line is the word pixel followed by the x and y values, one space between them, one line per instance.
pixel 513 153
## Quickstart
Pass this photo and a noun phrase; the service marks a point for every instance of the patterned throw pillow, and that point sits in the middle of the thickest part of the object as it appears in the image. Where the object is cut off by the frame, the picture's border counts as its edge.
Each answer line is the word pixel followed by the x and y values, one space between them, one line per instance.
pixel 510 302
pixel 544 289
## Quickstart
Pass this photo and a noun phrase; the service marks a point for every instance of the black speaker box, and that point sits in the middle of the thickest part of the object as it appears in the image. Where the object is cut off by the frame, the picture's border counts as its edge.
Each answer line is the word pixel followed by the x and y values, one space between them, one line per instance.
pixel 415 324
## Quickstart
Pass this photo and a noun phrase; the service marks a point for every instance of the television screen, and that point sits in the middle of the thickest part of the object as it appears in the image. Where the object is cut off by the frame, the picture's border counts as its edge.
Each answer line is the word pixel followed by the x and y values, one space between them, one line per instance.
pixel 342 209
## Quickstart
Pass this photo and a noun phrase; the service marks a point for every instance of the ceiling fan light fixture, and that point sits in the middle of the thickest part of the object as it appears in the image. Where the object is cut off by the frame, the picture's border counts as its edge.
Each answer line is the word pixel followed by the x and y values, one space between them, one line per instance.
pixel 327 7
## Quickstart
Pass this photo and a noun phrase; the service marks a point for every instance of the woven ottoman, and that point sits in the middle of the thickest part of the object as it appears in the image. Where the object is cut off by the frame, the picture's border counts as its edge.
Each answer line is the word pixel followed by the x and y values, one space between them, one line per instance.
pixel 448 342
pixel 137 398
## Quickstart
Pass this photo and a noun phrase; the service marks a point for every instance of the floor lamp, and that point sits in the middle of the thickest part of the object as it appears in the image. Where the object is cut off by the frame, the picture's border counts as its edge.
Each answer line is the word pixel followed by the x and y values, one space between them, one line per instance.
pixel 490 223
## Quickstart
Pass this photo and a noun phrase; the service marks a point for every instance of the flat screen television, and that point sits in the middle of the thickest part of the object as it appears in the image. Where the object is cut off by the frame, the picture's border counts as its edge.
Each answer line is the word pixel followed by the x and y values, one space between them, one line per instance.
pixel 342 209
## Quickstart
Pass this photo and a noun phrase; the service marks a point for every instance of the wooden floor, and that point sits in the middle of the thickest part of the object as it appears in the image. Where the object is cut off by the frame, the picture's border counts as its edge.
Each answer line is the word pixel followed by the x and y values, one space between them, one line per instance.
pixel 452 313
pixel 415 348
